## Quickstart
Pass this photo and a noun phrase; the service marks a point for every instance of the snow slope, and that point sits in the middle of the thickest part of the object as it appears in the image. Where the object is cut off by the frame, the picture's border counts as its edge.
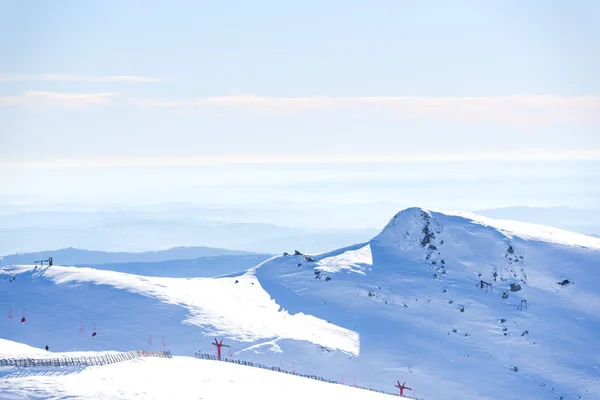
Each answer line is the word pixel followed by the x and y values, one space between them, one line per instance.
pixel 160 378
pixel 407 305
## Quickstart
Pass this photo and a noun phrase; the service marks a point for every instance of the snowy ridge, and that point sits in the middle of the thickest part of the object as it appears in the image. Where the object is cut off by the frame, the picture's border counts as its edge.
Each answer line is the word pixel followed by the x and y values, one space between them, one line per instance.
pixel 530 231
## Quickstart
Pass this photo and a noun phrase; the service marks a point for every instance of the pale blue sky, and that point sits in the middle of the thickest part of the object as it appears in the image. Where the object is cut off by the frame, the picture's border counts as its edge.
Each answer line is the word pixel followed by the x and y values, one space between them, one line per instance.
pixel 123 92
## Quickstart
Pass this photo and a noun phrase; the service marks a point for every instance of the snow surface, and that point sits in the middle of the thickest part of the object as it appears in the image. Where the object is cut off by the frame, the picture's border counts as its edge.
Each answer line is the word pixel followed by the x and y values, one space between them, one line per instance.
pixel 405 306
pixel 242 311
pixel 161 378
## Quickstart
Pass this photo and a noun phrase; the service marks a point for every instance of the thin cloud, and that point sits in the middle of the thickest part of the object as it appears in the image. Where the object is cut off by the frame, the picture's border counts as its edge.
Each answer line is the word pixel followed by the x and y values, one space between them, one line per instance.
pixel 529 155
pixel 55 99
pixel 535 109
pixel 518 110
pixel 82 78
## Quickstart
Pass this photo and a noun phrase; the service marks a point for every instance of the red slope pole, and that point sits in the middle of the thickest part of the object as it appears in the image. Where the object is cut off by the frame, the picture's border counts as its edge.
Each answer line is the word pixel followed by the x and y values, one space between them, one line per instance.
pixel 150 339
pixel 219 344
pixel 163 342
pixel 402 387
pixel 10 312
pixel 80 327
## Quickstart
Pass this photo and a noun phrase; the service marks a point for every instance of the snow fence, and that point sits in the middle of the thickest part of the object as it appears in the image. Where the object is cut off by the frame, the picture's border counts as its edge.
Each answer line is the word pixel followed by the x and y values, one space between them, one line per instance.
pixel 105 359
pixel 203 356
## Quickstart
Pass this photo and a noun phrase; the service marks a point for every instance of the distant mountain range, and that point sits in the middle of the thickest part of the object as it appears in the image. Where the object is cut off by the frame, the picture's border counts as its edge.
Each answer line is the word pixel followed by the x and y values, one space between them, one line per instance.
pixel 141 231
pixel 73 256
pixel 269 228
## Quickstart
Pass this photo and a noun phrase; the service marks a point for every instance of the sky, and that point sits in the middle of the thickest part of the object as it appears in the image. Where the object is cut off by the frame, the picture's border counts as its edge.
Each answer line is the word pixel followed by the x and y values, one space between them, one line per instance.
pixel 441 103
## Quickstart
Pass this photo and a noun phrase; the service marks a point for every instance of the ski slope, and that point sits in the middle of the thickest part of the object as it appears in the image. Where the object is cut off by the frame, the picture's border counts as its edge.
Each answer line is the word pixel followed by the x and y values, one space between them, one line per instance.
pixel 406 305
pixel 160 378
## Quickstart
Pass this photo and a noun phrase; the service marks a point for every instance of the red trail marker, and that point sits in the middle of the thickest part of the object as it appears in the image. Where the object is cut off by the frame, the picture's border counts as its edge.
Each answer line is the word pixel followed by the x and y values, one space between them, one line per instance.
pixel 80 327
pixel 150 339
pixel 10 312
pixel 402 387
pixel 163 342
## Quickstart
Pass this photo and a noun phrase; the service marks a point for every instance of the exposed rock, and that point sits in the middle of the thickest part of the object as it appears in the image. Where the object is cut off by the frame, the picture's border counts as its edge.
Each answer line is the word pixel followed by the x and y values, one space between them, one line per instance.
pixel 514 287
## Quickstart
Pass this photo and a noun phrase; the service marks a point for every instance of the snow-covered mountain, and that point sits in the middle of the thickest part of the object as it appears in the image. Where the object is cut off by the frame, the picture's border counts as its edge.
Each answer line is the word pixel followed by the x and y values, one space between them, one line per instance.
pixel 457 305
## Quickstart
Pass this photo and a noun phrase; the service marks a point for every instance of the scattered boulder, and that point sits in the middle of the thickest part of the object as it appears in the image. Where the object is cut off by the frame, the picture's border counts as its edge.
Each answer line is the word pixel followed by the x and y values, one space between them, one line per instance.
pixel 236 281
pixel 515 369
pixel 286 254
pixel 309 259
pixel 514 287
pixel 565 282
pixel 297 253
pixel 510 250
pixel 505 295
pixel 328 278
pixel 432 247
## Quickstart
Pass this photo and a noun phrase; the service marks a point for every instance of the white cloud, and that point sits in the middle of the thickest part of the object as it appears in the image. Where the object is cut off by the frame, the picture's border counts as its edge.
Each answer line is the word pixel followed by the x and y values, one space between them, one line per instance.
pixel 81 78
pixel 518 109
pixel 529 155
pixel 55 99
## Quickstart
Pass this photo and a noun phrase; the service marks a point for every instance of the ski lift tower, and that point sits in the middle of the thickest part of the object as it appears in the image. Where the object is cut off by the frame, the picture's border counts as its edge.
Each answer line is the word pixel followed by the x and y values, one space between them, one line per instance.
pixel 48 261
